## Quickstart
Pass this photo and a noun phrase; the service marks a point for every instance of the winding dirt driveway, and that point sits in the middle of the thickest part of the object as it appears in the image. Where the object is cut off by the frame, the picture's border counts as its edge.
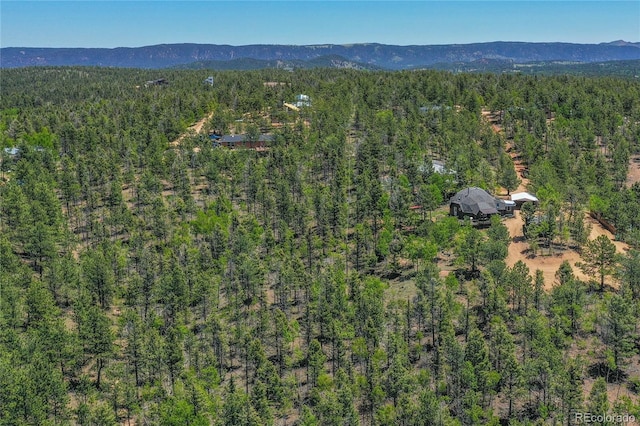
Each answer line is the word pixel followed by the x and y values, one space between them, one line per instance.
pixel 194 128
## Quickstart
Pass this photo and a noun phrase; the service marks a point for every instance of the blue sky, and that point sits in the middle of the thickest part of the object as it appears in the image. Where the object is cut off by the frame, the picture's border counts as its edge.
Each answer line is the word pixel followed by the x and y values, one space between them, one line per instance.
pixel 140 23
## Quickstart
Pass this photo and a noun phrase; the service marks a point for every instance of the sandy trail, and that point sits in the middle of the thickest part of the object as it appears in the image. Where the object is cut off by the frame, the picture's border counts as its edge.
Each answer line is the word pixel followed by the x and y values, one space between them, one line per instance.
pixel 195 128
pixel 520 168
pixel 492 118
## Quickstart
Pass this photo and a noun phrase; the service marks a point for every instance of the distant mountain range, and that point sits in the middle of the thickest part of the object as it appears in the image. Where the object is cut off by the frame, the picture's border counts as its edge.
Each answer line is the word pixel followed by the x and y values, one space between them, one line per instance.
pixel 328 61
pixel 625 69
pixel 367 56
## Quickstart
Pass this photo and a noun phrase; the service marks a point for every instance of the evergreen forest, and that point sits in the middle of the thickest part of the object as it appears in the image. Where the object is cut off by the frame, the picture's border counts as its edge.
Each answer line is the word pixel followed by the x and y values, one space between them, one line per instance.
pixel 150 277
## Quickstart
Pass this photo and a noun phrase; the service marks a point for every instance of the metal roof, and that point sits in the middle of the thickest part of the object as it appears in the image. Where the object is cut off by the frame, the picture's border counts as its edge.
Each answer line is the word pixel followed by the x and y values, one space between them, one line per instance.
pixel 243 138
pixel 524 196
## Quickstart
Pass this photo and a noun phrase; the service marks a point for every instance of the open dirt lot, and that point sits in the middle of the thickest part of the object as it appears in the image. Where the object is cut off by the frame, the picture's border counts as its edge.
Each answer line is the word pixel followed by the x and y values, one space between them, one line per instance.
pixel 549 264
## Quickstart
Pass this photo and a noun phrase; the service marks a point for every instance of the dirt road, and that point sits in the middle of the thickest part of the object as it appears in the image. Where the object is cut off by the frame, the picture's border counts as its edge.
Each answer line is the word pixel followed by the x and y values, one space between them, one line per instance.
pixel 194 128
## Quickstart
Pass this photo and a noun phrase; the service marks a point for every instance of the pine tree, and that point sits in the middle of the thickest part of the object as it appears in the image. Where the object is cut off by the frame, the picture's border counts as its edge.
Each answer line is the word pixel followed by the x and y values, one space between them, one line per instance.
pixel 507 176
pixel 567 301
pixel 95 333
pixel 315 362
pixel 469 247
pixel 599 258
pixel 618 330
pixel 598 403
pixel 568 387
pixel 629 272
pixel 477 355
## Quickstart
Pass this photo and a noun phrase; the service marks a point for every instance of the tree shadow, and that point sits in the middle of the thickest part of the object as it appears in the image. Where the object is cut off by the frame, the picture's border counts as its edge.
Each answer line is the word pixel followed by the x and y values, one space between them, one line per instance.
pixel 531 410
pixel 519 239
pixel 601 369
pixel 391 275
pixel 466 274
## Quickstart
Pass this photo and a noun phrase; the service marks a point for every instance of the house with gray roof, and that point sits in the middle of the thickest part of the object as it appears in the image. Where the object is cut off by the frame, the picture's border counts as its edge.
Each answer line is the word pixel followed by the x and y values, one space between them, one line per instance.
pixel 241 141
pixel 478 205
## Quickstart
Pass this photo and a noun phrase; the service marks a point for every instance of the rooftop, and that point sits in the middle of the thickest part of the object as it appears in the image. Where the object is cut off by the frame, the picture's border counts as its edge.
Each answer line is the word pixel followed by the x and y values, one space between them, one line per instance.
pixel 523 196
pixel 474 200
pixel 243 138
pixel 12 151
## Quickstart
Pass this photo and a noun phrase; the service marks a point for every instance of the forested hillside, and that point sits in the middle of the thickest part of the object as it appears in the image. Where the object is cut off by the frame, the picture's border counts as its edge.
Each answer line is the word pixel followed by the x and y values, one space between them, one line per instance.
pixel 149 278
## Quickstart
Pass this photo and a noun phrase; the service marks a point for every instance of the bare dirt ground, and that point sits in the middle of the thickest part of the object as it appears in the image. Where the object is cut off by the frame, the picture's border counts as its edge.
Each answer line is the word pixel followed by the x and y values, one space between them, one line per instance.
pixel 634 170
pixel 492 118
pixel 519 248
pixel 520 168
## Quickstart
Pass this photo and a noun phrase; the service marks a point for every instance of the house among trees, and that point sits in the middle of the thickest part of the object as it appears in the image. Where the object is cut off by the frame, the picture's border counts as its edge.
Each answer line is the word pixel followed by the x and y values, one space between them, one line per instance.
pixel 158 82
pixel 8 156
pixel 260 142
pixel 275 84
pixel 436 108
pixel 12 152
pixel 209 80
pixel 436 166
pixel 302 101
pixel 478 205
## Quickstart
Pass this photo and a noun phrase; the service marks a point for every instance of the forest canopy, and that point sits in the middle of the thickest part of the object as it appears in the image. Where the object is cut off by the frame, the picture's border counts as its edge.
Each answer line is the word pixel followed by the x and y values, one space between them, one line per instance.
pixel 148 276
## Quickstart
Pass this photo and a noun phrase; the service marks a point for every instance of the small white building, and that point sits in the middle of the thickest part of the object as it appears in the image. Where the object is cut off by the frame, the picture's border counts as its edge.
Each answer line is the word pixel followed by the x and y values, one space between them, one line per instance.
pixel 302 101
pixel 522 197
pixel 437 166
pixel 12 152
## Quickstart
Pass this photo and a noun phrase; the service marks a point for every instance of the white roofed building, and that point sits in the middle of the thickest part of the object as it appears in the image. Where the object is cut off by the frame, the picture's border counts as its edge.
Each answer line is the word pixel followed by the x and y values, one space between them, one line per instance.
pixel 522 197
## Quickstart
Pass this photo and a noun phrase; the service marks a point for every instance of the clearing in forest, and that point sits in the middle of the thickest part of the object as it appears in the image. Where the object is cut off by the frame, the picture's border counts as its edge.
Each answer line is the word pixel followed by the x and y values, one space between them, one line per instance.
pixel 519 248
